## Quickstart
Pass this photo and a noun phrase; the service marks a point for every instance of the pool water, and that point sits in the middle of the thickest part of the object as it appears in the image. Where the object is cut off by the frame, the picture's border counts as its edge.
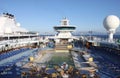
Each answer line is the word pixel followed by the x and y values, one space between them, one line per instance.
pixel 59 58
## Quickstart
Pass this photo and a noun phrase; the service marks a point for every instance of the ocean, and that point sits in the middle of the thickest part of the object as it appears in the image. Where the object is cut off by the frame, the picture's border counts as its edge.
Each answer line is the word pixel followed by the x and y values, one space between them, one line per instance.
pixel 106 36
pixel 101 36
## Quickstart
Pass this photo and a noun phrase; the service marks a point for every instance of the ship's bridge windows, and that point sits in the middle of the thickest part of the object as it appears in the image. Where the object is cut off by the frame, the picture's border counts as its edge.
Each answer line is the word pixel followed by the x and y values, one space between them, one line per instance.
pixel 65 23
pixel 64 28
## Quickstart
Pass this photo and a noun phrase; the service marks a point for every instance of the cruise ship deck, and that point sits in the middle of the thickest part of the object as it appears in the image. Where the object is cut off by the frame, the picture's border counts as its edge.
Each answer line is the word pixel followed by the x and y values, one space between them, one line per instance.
pixel 46 63
pixel 25 54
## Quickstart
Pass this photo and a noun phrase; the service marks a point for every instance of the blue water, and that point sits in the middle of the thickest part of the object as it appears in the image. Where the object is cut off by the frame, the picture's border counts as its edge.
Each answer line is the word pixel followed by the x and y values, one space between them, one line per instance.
pixel 106 36
pixel 101 36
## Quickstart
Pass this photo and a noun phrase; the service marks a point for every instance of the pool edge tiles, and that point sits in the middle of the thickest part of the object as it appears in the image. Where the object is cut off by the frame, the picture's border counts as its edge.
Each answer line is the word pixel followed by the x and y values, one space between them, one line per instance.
pixel 62 51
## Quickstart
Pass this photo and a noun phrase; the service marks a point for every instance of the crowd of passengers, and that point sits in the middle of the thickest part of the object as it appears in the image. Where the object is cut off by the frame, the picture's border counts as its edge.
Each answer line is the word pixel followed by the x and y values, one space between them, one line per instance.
pixel 63 71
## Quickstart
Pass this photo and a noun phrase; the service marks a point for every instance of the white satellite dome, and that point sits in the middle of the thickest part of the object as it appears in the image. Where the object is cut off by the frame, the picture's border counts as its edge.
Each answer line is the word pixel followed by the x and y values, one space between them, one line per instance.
pixel 18 24
pixel 111 22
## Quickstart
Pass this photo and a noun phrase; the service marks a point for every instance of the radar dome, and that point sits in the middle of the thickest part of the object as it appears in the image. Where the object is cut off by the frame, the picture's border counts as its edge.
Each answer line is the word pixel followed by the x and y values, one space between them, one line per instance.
pixel 18 24
pixel 111 22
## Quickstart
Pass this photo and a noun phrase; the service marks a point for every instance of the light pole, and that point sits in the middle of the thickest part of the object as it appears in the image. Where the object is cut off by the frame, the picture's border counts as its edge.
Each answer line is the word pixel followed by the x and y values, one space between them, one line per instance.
pixel 90 33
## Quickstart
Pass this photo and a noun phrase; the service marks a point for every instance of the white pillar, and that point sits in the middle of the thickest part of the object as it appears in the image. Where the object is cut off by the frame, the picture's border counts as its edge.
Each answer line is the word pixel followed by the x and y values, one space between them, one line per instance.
pixel 111 33
pixel 110 37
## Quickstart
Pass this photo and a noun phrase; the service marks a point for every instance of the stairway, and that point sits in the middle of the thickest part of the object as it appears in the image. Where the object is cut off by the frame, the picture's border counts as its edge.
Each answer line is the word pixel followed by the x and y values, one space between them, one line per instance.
pixel 61 48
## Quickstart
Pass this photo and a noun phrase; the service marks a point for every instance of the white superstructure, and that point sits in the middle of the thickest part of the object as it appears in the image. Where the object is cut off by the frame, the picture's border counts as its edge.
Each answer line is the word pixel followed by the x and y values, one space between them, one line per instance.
pixel 12 35
pixel 8 25
pixel 64 32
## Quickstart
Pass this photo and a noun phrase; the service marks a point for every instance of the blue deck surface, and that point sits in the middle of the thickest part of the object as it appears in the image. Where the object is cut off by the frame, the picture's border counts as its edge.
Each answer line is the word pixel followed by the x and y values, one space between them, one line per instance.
pixel 8 62
pixel 108 63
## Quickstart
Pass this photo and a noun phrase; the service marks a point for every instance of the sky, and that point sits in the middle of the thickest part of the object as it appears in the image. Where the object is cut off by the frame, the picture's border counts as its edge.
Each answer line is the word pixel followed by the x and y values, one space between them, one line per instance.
pixel 43 15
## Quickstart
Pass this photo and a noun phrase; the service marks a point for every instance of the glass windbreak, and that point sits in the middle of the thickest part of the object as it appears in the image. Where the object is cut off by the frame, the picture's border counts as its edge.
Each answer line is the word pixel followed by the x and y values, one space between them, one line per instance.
pixel 64 28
